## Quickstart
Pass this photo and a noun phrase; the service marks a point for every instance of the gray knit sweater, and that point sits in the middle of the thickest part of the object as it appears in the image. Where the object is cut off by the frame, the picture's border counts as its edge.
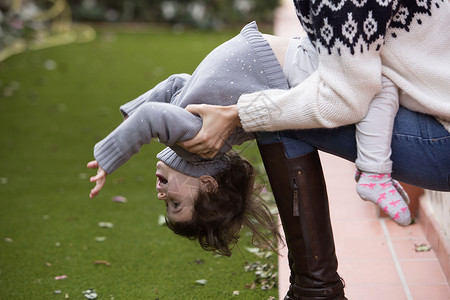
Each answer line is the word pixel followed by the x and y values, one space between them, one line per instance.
pixel 242 65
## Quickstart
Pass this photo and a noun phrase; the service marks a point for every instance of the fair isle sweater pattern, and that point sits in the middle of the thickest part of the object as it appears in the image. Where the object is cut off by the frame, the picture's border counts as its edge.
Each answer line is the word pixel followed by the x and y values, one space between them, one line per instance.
pixel 351 21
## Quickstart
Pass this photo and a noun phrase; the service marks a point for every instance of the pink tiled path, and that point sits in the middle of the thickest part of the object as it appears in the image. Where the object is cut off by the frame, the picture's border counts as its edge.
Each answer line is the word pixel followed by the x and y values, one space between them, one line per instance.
pixel 377 258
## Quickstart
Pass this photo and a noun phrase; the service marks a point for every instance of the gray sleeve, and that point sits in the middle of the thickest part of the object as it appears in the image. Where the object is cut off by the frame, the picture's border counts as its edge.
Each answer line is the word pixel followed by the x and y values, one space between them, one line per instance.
pixel 163 92
pixel 166 122
pixel 374 132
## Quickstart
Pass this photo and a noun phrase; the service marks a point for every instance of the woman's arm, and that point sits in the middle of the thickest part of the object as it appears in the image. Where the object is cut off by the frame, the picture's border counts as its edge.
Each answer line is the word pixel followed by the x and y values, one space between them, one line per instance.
pixel 348 76
pixel 216 118
pixel 348 38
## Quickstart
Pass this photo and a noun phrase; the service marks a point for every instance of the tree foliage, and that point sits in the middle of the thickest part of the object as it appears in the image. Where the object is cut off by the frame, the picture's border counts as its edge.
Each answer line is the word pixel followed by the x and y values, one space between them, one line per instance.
pixel 195 13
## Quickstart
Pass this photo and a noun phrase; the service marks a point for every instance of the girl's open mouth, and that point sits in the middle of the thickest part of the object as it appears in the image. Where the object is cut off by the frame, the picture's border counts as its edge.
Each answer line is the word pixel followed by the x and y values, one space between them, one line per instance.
pixel 161 179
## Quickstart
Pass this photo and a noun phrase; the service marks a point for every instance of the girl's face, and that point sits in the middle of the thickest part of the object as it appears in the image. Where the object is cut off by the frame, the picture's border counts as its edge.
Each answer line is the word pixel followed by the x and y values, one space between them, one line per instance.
pixel 178 190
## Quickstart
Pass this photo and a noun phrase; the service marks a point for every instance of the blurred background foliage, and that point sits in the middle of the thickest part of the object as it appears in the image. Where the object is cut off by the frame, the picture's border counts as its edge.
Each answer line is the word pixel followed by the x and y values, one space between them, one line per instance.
pixel 196 13
pixel 36 24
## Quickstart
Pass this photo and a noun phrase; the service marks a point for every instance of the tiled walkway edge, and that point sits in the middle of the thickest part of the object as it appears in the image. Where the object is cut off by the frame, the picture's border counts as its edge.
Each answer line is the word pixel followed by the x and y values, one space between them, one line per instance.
pixel 435 236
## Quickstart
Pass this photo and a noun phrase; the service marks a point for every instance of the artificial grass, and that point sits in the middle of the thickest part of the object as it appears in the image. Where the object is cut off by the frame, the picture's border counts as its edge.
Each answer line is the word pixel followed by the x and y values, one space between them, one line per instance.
pixel 55 104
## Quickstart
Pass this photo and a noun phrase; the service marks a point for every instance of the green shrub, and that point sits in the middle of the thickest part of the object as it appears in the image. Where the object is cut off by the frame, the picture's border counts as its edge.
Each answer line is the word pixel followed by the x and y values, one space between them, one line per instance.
pixel 203 14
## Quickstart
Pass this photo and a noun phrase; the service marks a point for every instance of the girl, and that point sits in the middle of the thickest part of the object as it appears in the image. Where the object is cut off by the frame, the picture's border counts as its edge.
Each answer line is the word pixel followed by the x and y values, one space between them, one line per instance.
pixel 210 199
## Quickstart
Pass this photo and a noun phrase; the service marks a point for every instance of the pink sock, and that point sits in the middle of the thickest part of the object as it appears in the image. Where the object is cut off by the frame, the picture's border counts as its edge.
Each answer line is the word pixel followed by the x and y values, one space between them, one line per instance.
pixel 387 193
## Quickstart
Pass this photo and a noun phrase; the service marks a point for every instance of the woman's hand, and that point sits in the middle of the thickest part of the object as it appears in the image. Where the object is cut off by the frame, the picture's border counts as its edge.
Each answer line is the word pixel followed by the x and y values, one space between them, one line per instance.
pixel 218 123
pixel 99 179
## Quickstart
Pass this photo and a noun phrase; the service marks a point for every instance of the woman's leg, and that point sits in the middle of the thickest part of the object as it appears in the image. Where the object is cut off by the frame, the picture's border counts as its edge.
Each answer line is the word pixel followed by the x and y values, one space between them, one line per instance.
pixel 420 148
pixel 300 193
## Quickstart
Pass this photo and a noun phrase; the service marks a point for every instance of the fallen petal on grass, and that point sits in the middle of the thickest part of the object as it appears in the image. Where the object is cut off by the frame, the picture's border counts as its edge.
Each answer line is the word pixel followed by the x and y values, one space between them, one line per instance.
pixel 61 277
pixel 119 199
pixel 161 220
pixel 252 250
pixel 259 252
pixel 100 238
pixel 8 240
pixel 235 293
pixel 201 282
pixel 102 262
pixel 105 224
pixel 265 273
pixel 90 294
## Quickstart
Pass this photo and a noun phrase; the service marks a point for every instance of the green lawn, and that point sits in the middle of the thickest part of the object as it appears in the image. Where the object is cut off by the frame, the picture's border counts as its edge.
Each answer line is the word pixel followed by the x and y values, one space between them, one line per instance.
pixel 55 104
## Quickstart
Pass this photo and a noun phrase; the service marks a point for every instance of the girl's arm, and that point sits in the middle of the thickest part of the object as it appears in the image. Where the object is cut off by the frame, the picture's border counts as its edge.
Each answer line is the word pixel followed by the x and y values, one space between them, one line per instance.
pixel 163 92
pixel 166 122
pixel 107 162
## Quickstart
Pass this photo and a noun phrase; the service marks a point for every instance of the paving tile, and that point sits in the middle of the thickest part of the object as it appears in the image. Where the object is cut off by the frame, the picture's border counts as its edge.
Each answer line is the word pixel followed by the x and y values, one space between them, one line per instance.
pixel 350 210
pixel 423 272
pixel 357 229
pixel 373 272
pixel 406 249
pixel 359 250
pixel 411 231
pixel 375 292
pixel 430 292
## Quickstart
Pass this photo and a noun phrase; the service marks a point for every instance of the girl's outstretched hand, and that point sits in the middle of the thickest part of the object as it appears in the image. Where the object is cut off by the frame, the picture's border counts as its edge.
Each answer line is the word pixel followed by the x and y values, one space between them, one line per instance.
pixel 218 123
pixel 99 179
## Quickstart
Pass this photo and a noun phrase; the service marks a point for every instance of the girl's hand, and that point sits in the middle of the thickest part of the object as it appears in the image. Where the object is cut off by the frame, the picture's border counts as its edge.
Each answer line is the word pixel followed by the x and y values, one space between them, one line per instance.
pixel 99 179
pixel 218 123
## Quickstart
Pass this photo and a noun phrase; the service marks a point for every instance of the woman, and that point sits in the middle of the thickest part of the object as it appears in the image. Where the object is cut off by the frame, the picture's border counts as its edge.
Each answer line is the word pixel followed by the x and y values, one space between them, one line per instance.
pixel 357 42
pixel 209 199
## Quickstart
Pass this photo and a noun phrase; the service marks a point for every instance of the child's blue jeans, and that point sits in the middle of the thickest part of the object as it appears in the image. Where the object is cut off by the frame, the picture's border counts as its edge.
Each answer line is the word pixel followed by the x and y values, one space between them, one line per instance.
pixel 420 147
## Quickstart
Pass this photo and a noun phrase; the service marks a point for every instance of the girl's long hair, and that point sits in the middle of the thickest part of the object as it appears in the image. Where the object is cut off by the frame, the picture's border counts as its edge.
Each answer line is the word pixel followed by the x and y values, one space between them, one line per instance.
pixel 219 215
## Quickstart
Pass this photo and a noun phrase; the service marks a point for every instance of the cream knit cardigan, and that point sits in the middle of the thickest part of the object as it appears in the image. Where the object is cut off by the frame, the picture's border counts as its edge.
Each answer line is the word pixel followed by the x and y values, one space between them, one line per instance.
pixel 415 56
